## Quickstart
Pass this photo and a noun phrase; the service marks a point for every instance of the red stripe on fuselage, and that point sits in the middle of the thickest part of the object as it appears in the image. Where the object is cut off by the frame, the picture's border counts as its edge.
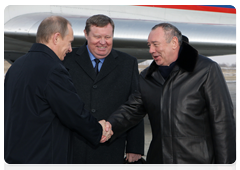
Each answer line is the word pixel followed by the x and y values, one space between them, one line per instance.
pixel 196 7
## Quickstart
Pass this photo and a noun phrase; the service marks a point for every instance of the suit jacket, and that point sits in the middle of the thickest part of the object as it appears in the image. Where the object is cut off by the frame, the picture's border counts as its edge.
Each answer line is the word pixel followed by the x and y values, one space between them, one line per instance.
pixel 41 108
pixel 103 94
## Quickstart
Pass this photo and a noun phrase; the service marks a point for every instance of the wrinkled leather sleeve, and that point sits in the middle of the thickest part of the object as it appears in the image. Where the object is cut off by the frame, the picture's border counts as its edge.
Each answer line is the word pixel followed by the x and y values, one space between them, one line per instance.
pixel 127 115
pixel 222 122
pixel 135 135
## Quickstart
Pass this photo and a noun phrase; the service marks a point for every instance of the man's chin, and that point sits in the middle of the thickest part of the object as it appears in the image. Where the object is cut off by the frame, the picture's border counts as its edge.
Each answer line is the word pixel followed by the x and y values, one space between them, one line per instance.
pixel 158 63
pixel 101 55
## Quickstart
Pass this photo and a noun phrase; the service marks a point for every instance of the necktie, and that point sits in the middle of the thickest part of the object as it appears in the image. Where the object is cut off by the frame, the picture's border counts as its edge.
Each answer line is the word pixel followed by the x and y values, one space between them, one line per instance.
pixel 96 67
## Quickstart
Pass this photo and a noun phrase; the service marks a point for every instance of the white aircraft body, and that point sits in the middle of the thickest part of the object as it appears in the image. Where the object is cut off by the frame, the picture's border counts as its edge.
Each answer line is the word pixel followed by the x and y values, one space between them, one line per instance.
pixel 210 29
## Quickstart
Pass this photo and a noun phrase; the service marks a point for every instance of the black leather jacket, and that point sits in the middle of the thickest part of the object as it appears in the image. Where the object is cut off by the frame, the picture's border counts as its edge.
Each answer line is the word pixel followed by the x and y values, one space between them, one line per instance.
pixel 191 113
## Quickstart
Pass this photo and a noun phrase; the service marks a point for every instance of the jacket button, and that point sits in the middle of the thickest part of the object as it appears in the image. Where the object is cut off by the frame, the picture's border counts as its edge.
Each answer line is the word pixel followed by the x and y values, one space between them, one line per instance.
pixel 93 110
pixel 94 86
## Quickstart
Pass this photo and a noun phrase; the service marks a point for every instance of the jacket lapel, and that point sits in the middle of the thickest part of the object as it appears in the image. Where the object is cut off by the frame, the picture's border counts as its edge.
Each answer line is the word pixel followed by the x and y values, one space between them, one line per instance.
pixel 83 60
pixel 154 73
pixel 110 63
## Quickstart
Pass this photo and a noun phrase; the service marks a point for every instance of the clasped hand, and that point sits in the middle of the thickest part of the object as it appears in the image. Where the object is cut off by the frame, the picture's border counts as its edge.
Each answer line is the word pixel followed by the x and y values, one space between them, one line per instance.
pixel 107 131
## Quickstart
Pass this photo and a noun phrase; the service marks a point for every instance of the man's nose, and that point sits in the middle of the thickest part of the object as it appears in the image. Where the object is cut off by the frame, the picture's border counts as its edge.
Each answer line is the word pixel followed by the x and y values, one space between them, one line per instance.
pixel 151 49
pixel 70 49
pixel 102 41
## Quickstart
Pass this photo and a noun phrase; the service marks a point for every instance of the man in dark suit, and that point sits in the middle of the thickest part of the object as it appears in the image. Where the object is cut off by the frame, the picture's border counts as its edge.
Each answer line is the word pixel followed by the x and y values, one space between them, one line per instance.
pixel 41 106
pixel 104 87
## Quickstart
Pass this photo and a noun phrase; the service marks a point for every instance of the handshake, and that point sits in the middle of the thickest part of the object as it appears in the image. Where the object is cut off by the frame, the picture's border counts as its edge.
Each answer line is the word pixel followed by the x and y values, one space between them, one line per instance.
pixel 107 131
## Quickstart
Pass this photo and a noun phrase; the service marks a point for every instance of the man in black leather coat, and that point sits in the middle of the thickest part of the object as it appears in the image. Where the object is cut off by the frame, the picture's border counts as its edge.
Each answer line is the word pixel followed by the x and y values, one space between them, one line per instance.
pixel 188 103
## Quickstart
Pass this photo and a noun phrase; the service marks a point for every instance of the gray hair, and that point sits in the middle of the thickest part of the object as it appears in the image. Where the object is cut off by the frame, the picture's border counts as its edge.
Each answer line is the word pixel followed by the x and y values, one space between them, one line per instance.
pixel 170 31
pixel 51 25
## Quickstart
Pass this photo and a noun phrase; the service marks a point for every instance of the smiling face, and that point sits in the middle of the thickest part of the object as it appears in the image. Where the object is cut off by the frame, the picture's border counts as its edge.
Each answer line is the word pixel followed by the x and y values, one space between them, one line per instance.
pixel 100 40
pixel 65 44
pixel 162 52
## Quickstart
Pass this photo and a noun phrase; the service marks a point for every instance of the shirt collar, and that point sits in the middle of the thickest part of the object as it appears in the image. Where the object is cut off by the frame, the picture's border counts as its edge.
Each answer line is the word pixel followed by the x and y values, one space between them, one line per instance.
pixel 92 56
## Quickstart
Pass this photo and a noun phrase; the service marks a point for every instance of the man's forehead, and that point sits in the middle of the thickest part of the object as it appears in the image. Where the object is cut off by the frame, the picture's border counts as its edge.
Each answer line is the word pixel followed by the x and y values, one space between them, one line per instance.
pixel 70 33
pixel 72 39
pixel 101 32
pixel 156 35
pixel 101 27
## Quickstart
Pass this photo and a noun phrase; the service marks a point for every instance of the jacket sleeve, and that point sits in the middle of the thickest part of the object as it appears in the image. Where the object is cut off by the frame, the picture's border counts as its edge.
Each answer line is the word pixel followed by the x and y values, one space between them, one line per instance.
pixel 222 122
pixel 69 108
pixel 127 115
pixel 135 135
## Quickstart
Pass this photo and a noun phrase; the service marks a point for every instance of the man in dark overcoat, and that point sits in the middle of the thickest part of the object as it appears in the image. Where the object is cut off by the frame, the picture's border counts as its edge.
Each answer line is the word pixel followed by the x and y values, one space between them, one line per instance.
pixel 103 91
pixel 41 106
pixel 187 101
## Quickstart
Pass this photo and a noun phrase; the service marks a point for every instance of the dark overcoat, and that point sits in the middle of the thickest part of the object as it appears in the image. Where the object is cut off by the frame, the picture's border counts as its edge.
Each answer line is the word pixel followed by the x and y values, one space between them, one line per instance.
pixel 191 113
pixel 41 109
pixel 102 95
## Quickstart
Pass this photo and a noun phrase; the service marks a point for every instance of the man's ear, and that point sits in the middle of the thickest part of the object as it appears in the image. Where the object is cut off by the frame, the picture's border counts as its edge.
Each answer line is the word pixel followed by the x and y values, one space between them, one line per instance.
pixel 174 42
pixel 85 33
pixel 55 38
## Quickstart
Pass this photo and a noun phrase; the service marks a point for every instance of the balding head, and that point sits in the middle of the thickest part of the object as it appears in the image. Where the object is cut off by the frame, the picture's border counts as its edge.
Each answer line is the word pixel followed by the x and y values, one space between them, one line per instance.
pixel 50 26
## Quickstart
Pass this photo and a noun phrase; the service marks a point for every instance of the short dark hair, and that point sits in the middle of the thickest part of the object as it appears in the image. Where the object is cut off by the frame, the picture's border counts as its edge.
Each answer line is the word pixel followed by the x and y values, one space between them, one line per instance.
pixel 98 21
pixel 170 31
pixel 51 25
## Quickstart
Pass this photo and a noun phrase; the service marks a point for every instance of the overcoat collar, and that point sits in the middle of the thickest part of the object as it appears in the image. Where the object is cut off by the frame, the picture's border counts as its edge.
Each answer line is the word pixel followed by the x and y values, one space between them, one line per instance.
pixel 83 59
pixel 187 59
pixel 38 47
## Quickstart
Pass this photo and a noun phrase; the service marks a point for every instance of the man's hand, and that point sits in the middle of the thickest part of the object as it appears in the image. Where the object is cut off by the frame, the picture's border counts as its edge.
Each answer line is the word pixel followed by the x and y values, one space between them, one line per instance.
pixel 132 157
pixel 224 168
pixel 107 131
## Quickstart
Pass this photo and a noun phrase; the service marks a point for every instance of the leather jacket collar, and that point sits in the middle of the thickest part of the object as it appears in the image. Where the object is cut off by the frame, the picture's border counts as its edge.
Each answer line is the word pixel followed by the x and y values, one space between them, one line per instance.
pixel 187 59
